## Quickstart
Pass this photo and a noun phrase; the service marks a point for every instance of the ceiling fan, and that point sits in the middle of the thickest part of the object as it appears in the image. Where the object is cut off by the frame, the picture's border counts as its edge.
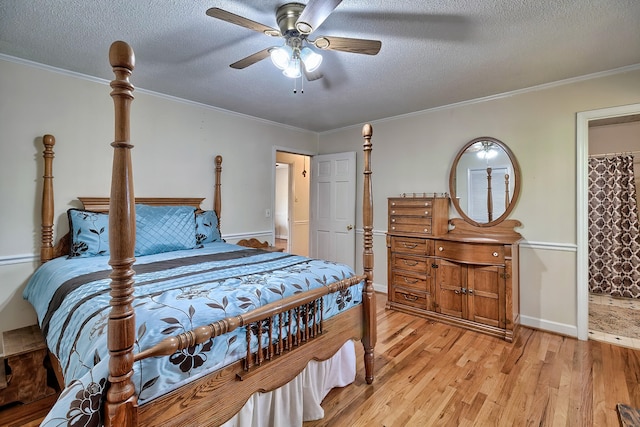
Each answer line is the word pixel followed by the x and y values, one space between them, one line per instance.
pixel 296 22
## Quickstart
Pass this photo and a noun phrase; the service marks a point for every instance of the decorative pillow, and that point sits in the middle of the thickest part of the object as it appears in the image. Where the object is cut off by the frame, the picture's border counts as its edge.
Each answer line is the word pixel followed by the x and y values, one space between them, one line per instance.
pixel 207 228
pixel 89 233
pixel 164 229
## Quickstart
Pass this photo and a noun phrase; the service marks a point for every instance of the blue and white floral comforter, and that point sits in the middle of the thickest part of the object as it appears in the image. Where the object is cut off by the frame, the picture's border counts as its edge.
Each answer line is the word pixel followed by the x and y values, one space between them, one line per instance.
pixel 174 292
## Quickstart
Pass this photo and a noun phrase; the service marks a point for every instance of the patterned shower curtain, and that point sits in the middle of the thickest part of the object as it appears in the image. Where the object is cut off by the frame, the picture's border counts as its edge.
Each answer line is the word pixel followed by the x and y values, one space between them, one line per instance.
pixel 614 236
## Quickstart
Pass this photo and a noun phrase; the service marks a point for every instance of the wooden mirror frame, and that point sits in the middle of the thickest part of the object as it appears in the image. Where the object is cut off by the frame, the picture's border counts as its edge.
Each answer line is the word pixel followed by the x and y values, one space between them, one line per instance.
pixel 516 185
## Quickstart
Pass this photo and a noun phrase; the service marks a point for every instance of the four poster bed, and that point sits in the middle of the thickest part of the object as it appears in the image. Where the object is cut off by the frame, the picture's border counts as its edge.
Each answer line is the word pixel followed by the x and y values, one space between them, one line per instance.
pixel 164 323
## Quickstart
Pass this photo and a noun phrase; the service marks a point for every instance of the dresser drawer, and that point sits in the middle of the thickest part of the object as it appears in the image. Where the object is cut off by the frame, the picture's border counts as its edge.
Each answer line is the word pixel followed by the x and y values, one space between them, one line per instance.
pixel 410 281
pixel 408 245
pixel 414 299
pixel 409 262
pixel 470 253
pixel 410 225
pixel 403 202
pixel 419 212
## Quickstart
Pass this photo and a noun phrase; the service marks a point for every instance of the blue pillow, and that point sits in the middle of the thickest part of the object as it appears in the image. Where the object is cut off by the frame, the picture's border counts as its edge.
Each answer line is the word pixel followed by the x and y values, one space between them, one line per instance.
pixel 164 229
pixel 89 233
pixel 207 228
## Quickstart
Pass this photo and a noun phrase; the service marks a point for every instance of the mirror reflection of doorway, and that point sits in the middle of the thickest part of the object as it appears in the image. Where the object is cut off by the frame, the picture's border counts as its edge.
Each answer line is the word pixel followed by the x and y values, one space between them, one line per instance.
pixel 291 202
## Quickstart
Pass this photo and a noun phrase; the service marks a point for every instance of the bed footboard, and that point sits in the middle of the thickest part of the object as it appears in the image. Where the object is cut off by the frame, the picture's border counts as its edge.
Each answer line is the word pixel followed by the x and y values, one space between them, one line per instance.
pixel 303 319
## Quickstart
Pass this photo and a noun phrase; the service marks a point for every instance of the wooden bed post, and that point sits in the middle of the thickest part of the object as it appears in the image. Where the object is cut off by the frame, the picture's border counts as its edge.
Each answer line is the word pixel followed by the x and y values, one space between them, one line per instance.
pixel 369 296
pixel 46 248
pixel 121 404
pixel 217 196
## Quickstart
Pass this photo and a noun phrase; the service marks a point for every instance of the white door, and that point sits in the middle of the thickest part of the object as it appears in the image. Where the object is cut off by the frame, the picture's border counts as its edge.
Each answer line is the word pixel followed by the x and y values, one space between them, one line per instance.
pixel 333 207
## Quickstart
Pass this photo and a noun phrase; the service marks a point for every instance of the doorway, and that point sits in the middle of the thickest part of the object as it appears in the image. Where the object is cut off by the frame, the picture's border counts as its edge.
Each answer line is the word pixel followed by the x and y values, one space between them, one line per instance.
pixel 584 119
pixel 291 201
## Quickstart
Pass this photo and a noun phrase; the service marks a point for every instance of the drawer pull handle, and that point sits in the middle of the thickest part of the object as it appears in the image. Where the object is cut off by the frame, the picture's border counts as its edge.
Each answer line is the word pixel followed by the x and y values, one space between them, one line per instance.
pixel 440 248
pixel 393 203
pixel 410 282
pixel 495 254
pixel 393 212
pixel 393 228
pixel 393 220
pixel 410 263
pixel 457 292
pixel 409 245
pixel 410 297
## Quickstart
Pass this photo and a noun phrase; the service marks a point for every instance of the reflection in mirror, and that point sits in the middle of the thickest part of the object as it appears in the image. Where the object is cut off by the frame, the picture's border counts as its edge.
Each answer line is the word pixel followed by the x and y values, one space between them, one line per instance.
pixel 484 181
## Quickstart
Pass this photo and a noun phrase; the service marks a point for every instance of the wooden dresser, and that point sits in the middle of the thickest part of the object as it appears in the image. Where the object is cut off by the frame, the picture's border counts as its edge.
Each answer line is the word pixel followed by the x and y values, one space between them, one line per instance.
pixel 467 276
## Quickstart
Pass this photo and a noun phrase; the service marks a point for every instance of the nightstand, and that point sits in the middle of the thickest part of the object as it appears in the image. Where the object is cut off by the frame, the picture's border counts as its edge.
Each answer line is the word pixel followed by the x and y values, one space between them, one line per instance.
pixel 23 376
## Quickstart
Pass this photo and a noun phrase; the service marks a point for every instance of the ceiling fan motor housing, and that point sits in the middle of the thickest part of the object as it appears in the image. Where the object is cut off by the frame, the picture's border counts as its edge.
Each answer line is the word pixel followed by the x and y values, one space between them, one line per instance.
pixel 286 16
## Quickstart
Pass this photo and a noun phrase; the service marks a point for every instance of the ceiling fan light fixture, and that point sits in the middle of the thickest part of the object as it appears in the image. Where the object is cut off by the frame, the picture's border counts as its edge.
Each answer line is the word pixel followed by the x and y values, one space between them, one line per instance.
pixel 311 59
pixel 281 56
pixel 293 69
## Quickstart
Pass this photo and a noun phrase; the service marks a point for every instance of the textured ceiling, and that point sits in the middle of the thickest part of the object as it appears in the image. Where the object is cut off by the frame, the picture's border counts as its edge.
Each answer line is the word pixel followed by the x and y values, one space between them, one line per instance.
pixel 434 52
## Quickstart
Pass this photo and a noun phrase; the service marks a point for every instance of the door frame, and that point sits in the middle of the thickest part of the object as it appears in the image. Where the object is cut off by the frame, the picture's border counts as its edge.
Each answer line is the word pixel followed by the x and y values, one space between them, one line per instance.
pixel 582 215
pixel 290 150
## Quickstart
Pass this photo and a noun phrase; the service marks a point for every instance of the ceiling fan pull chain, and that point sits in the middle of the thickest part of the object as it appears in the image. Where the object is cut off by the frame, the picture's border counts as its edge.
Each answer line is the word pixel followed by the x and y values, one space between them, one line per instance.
pixel 295 85
pixel 301 84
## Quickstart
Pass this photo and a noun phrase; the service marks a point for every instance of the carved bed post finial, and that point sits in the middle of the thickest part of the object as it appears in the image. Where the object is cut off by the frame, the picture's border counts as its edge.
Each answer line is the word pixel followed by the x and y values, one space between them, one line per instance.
pixel 369 296
pixel 46 248
pixel 217 197
pixel 121 404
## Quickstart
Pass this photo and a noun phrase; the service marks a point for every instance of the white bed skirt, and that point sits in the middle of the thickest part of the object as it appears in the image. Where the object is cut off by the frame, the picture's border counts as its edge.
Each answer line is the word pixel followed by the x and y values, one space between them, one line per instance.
pixel 300 399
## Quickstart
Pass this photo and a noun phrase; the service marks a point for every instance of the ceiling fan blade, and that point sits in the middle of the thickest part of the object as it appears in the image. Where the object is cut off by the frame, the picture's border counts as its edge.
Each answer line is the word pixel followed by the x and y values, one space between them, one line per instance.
pixel 251 59
pixel 215 12
pixel 314 14
pixel 344 44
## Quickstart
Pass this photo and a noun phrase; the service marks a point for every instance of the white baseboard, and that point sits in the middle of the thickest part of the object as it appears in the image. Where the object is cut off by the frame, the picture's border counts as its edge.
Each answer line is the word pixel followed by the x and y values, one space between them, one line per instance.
pixel 380 288
pixel 546 325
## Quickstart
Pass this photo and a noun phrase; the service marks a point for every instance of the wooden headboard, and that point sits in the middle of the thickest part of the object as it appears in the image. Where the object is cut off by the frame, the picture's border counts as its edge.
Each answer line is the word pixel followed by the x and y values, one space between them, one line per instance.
pixel 101 204
pixel 48 250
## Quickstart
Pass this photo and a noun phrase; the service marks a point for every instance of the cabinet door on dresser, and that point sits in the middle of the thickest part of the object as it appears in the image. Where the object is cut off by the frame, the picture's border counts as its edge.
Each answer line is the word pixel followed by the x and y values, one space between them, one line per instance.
pixel 471 292
pixel 486 294
pixel 449 288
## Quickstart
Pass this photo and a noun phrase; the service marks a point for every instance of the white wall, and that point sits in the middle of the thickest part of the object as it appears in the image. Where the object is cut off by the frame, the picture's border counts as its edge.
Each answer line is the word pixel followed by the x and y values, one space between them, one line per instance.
pixel 175 144
pixel 412 153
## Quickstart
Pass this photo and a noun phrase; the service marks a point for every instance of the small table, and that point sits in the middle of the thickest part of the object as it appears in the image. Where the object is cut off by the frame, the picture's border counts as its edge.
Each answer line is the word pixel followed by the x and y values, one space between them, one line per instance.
pixel 25 352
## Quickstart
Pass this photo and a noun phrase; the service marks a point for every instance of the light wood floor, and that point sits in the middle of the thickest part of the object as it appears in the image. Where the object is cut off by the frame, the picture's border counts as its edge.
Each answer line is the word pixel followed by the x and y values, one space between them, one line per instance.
pixel 430 374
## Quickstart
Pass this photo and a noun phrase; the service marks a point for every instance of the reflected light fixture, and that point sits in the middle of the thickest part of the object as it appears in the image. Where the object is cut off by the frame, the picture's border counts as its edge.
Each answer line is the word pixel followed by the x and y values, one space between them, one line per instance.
pixel 487 150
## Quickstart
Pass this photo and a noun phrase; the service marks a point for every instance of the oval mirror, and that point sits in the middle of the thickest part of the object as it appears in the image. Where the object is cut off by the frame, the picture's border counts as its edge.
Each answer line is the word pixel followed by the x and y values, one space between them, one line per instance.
pixel 484 182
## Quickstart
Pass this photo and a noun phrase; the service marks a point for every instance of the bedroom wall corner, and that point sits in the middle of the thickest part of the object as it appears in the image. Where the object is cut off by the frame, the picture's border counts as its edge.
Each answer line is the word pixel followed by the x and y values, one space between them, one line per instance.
pixel 175 142
pixel 15 312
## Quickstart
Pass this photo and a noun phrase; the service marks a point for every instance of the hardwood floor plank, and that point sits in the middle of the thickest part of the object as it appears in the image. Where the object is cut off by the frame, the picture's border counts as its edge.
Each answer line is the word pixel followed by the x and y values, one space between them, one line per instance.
pixel 435 374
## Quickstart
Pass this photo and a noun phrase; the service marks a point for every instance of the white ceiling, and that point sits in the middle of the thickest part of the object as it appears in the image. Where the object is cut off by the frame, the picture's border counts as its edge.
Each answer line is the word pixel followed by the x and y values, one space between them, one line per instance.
pixel 434 52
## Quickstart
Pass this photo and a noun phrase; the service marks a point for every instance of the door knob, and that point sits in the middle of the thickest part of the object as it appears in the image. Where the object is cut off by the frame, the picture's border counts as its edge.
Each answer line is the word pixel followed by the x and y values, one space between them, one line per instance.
pixel 349 227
